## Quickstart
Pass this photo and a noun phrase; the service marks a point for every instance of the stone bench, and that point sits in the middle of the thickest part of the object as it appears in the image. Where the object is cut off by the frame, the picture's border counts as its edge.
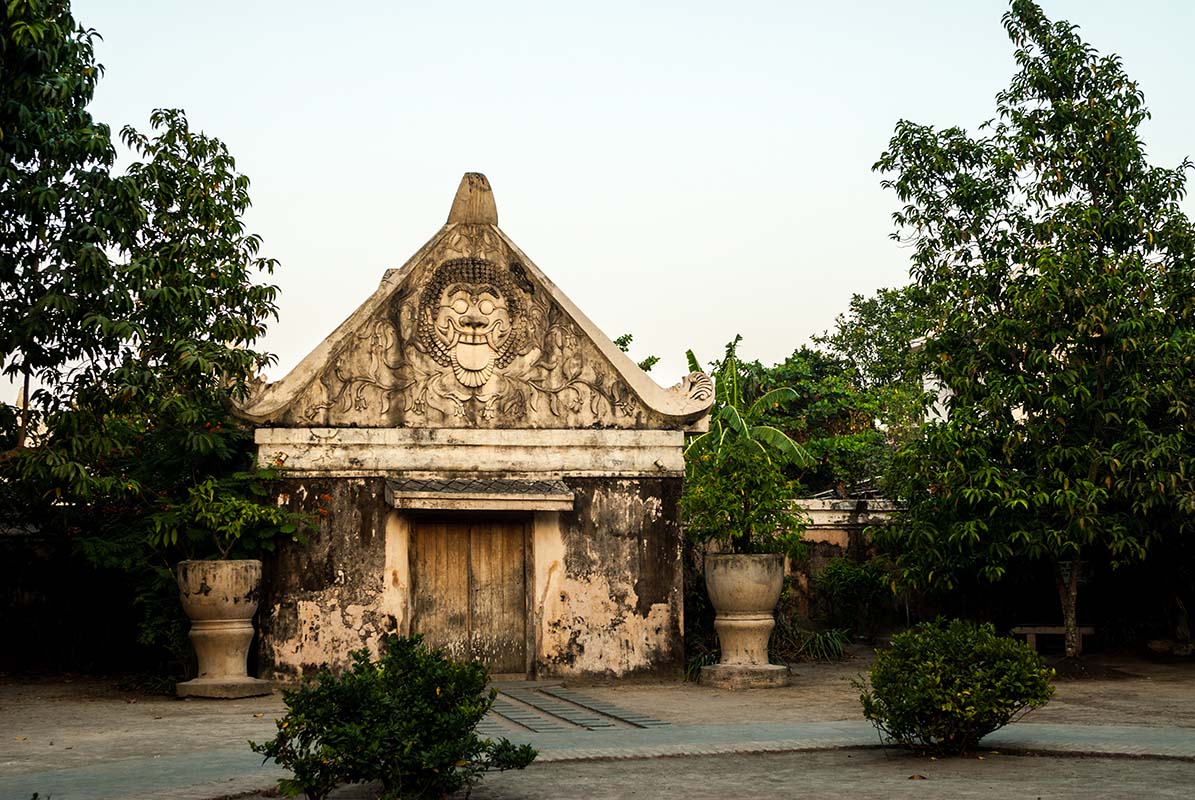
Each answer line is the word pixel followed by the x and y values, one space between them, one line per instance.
pixel 1031 632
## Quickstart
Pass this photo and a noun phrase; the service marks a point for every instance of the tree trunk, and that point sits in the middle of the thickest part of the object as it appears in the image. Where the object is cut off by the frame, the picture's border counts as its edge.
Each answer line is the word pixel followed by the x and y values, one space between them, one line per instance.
pixel 1068 594
pixel 1181 628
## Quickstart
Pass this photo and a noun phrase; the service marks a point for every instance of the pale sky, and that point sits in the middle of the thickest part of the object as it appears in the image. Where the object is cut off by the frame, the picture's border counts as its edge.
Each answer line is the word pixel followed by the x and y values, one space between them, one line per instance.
pixel 683 171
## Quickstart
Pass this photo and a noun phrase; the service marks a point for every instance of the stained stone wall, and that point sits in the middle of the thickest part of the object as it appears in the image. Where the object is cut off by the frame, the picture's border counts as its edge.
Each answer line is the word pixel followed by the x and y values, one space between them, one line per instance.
pixel 612 596
pixel 325 597
pixel 607 594
pixel 837 529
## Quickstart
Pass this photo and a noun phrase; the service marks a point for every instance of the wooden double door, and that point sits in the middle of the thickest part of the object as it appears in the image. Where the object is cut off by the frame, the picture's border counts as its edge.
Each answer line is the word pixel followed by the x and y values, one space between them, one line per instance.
pixel 470 588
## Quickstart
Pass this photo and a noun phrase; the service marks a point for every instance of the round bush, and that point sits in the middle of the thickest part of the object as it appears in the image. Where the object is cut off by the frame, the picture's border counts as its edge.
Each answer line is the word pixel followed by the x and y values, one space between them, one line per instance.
pixel 945 685
pixel 406 720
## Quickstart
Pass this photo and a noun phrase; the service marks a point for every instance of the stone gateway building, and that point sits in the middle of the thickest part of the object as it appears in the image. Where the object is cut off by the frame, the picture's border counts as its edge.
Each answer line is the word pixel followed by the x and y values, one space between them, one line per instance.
pixel 490 471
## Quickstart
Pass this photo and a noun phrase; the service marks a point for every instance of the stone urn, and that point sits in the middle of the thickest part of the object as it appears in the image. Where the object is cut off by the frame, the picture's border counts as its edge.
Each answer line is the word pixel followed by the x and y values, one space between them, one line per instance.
pixel 220 597
pixel 744 590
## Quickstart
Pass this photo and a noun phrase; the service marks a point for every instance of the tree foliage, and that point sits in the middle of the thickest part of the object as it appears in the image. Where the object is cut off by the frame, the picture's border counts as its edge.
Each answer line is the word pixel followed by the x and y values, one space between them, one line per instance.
pixel 1058 272
pixel 740 404
pixel 879 339
pixel 165 325
pixel 129 308
pixel 841 409
pixel 60 206
pixel 836 420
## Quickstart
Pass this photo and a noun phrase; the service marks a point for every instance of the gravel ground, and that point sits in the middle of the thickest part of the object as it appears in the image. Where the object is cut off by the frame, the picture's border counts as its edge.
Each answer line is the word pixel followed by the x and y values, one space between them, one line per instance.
pixel 1154 693
pixel 835 775
pixel 851 775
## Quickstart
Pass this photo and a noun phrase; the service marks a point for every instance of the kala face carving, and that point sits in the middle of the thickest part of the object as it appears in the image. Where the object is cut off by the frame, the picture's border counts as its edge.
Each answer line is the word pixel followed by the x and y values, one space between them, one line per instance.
pixel 471 319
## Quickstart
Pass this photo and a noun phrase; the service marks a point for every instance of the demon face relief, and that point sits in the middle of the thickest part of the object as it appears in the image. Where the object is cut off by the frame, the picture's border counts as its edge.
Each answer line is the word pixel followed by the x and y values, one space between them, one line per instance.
pixel 471 318
pixel 470 334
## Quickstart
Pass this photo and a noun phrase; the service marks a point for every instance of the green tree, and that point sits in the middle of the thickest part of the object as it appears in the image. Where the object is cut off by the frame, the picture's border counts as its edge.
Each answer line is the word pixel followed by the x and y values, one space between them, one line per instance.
pixel 833 417
pixel 131 293
pixel 129 307
pixel 879 338
pixel 59 208
pixel 814 410
pixel 844 413
pixel 166 327
pixel 739 405
pixel 1059 275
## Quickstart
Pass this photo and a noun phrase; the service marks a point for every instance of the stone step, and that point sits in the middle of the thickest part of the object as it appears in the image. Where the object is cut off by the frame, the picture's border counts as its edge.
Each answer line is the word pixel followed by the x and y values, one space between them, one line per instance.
pixel 558 707
pixel 526 717
pixel 602 707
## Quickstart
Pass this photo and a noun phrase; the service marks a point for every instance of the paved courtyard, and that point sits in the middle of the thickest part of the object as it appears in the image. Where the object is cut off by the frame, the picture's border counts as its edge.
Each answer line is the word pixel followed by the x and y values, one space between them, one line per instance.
pixel 83 739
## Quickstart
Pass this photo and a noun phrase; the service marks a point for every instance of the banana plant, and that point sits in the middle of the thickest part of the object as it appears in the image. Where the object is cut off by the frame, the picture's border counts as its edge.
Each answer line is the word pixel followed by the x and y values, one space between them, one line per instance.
pixel 732 419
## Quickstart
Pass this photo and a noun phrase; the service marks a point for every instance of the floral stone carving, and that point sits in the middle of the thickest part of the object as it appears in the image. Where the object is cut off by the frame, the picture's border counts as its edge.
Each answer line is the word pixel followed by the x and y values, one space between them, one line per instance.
pixel 470 334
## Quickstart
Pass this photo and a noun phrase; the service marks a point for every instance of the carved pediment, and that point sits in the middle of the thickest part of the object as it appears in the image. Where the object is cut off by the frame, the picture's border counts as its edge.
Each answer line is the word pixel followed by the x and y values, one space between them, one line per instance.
pixel 469 333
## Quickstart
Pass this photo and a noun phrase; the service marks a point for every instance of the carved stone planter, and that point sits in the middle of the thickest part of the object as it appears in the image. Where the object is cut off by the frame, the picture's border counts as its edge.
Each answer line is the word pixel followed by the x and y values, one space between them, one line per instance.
pixel 220 597
pixel 744 590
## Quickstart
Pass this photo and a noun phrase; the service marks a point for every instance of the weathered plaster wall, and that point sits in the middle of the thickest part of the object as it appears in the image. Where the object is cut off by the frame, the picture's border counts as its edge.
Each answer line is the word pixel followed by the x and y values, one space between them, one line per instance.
pixel 608 591
pixel 837 529
pixel 607 594
pixel 325 598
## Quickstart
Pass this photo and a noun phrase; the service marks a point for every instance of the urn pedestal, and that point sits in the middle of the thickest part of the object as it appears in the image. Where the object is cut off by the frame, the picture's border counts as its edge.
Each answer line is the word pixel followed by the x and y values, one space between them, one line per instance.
pixel 221 598
pixel 744 590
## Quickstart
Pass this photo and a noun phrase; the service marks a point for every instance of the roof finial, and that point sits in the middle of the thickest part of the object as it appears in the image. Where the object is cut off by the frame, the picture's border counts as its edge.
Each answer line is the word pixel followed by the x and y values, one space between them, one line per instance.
pixel 474 202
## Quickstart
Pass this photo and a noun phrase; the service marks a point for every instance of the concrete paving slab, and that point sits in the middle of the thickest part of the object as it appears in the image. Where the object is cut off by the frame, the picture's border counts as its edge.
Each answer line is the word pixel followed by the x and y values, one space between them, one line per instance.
pixel 195 776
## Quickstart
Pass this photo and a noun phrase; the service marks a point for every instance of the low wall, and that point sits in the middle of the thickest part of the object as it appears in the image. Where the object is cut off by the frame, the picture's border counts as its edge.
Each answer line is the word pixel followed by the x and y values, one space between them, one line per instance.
pixel 836 529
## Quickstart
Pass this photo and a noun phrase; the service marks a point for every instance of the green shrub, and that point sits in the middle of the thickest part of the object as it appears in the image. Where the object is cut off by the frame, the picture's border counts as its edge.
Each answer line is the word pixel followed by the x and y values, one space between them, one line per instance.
pixel 406 720
pixel 738 497
pixel 850 593
pixel 791 642
pixel 945 685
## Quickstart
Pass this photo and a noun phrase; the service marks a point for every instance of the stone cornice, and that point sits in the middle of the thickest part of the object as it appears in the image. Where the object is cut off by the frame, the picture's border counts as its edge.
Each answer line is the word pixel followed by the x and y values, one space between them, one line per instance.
pixel 448 452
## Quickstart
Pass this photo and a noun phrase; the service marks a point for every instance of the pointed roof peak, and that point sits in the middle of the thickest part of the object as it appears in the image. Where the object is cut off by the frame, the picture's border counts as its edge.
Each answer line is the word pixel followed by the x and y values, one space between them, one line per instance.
pixel 474 202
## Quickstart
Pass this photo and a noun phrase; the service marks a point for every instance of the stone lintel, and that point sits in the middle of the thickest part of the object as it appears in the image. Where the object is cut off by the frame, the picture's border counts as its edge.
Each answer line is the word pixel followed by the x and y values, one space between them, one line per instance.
pixel 848 513
pixel 479 495
pixel 481 502
pixel 423 452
